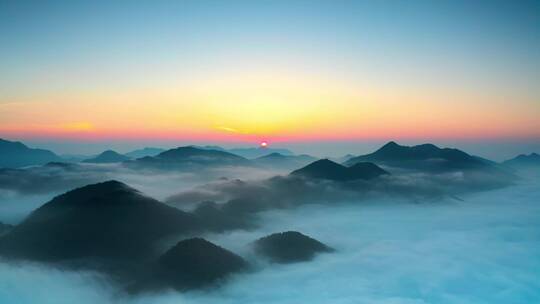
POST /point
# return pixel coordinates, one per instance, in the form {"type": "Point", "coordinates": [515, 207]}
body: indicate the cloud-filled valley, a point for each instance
{"type": "Point", "coordinates": [439, 227]}
{"type": "Point", "coordinates": [483, 249]}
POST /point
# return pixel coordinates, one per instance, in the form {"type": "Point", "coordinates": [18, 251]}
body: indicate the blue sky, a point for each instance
{"type": "Point", "coordinates": [495, 38]}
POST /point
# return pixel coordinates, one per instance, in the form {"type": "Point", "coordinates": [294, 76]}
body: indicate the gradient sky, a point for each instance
{"type": "Point", "coordinates": [289, 72]}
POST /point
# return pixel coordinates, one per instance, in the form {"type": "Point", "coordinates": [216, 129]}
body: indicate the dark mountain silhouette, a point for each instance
{"type": "Point", "coordinates": [14, 154]}
{"type": "Point", "coordinates": [190, 157]}
{"type": "Point", "coordinates": [210, 147]}
{"type": "Point", "coordinates": [250, 153]}
{"type": "Point", "coordinates": [195, 154]}
{"type": "Point", "coordinates": [422, 157]}
{"type": "Point", "coordinates": [280, 161]}
{"type": "Point", "coordinates": [258, 152]}
{"type": "Point", "coordinates": [289, 247]}
{"type": "Point", "coordinates": [147, 151]}
{"type": "Point", "coordinates": [107, 157]}
{"type": "Point", "coordinates": [108, 220]}
{"type": "Point", "coordinates": [193, 263]}
{"type": "Point", "coordinates": [327, 169]}
{"type": "Point", "coordinates": [524, 161]}
{"type": "Point", "coordinates": [222, 217]}
{"type": "Point", "coordinates": [5, 228]}
{"type": "Point", "coordinates": [366, 170]}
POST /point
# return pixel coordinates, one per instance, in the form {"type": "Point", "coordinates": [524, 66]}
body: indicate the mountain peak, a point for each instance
{"type": "Point", "coordinates": [197, 262]}
{"type": "Point", "coordinates": [189, 157]}
{"type": "Point", "coordinates": [107, 156]}
{"type": "Point", "coordinates": [390, 148]}
{"type": "Point", "coordinates": [390, 145]}
{"type": "Point", "coordinates": [13, 144]}
{"type": "Point", "coordinates": [324, 163]}
{"type": "Point", "coordinates": [107, 185]}
{"type": "Point", "coordinates": [425, 156]}
{"type": "Point", "coordinates": [289, 247]}
{"type": "Point", "coordinates": [108, 219]}
{"type": "Point", "coordinates": [273, 155]}
{"type": "Point", "coordinates": [256, 152]}
{"type": "Point", "coordinates": [188, 151]}
{"type": "Point", "coordinates": [327, 169]}
{"type": "Point", "coordinates": [16, 154]}
{"type": "Point", "coordinates": [524, 161]}
{"type": "Point", "coordinates": [111, 191]}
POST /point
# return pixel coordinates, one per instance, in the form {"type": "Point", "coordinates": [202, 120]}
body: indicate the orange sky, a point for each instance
{"type": "Point", "coordinates": [261, 109]}
{"type": "Point", "coordinates": [250, 71]}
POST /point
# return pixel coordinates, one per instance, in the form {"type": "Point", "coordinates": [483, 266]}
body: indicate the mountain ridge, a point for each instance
{"type": "Point", "coordinates": [107, 157]}
{"type": "Point", "coordinates": [289, 247]}
{"type": "Point", "coordinates": [108, 219]}
{"type": "Point", "coordinates": [15, 154]}
{"type": "Point", "coordinates": [327, 169]}
{"type": "Point", "coordinates": [524, 161]}
{"type": "Point", "coordinates": [190, 156]}
{"type": "Point", "coordinates": [421, 157]}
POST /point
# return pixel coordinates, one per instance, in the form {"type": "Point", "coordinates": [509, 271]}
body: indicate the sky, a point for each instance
{"type": "Point", "coordinates": [78, 76]}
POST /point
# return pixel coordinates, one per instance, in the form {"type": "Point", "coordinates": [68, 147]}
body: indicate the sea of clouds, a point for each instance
{"type": "Point", "coordinates": [22, 191]}
{"type": "Point", "coordinates": [484, 248]}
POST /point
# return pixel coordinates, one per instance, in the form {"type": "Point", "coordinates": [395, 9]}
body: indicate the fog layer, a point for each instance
{"type": "Point", "coordinates": [484, 249]}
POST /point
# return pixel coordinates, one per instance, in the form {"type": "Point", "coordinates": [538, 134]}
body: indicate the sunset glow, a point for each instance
{"type": "Point", "coordinates": [269, 151]}
{"type": "Point", "coordinates": [321, 81]}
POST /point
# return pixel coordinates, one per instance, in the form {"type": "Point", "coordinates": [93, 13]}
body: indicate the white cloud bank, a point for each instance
{"type": "Point", "coordinates": [485, 249]}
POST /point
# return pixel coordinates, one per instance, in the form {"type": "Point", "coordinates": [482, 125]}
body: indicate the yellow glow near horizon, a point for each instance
{"type": "Point", "coordinates": [251, 107]}
{"type": "Point", "coordinates": [278, 72]}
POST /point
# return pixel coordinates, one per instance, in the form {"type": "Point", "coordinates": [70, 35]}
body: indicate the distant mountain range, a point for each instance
{"type": "Point", "coordinates": [280, 161]}
{"type": "Point", "coordinates": [107, 157]}
{"type": "Point", "coordinates": [184, 157]}
{"type": "Point", "coordinates": [147, 151]}
{"type": "Point", "coordinates": [524, 161]}
{"type": "Point", "coordinates": [327, 169]}
{"type": "Point", "coordinates": [115, 228]}
{"type": "Point", "coordinates": [14, 154]}
{"type": "Point", "coordinates": [422, 157]}
{"type": "Point", "coordinates": [391, 156]}
{"type": "Point", "coordinates": [249, 153]}
{"type": "Point", "coordinates": [258, 152]}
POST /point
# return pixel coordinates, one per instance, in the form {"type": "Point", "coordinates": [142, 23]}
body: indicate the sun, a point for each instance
{"type": "Point", "coordinates": [264, 144]}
